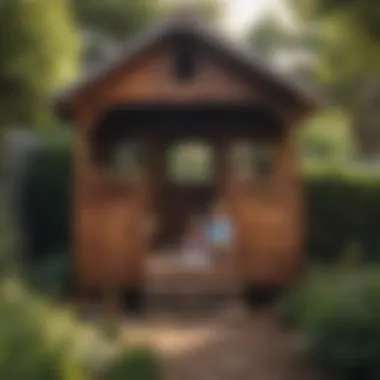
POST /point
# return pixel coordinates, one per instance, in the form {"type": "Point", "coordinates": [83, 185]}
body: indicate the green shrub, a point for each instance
{"type": "Point", "coordinates": [46, 200]}
{"type": "Point", "coordinates": [45, 212]}
{"type": "Point", "coordinates": [338, 313]}
{"type": "Point", "coordinates": [7, 257]}
{"type": "Point", "coordinates": [136, 364]}
{"type": "Point", "coordinates": [39, 341]}
{"type": "Point", "coordinates": [35, 342]}
{"type": "Point", "coordinates": [342, 209]}
{"type": "Point", "coordinates": [53, 275]}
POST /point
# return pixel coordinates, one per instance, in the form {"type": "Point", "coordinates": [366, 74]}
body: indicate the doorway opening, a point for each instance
{"type": "Point", "coordinates": [192, 253]}
{"type": "Point", "coordinates": [188, 193]}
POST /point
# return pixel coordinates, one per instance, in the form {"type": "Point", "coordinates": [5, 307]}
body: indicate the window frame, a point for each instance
{"type": "Point", "coordinates": [118, 167]}
{"type": "Point", "coordinates": [259, 160]}
{"type": "Point", "coordinates": [195, 180]}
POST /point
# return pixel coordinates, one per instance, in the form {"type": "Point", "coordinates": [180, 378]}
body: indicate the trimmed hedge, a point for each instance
{"type": "Point", "coordinates": [46, 201]}
{"type": "Point", "coordinates": [337, 313]}
{"type": "Point", "coordinates": [343, 209]}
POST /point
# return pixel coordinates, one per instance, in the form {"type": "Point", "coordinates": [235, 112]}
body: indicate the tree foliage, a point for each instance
{"type": "Point", "coordinates": [342, 40]}
{"type": "Point", "coordinates": [38, 49]}
{"type": "Point", "coordinates": [349, 63]}
{"type": "Point", "coordinates": [268, 36]}
{"type": "Point", "coordinates": [364, 13]}
{"type": "Point", "coordinates": [115, 18]}
{"type": "Point", "coordinates": [276, 42]}
{"type": "Point", "coordinates": [107, 24]}
{"type": "Point", "coordinates": [121, 18]}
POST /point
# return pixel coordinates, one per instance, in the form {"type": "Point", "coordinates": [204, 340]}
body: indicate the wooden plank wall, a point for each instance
{"type": "Point", "coordinates": [108, 242]}
{"type": "Point", "coordinates": [268, 220]}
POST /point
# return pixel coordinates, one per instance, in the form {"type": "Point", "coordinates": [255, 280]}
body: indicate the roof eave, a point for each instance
{"type": "Point", "coordinates": [305, 100]}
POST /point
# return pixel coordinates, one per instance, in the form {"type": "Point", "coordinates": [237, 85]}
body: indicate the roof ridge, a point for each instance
{"type": "Point", "coordinates": [197, 28]}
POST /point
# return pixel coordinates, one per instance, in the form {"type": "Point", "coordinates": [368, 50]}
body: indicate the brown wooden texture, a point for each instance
{"type": "Point", "coordinates": [151, 79]}
{"type": "Point", "coordinates": [268, 220]}
{"type": "Point", "coordinates": [109, 242]}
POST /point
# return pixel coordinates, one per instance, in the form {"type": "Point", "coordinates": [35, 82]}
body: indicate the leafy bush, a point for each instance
{"type": "Point", "coordinates": [41, 342]}
{"type": "Point", "coordinates": [137, 364]}
{"type": "Point", "coordinates": [46, 200]}
{"type": "Point", "coordinates": [45, 211]}
{"type": "Point", "coordinates": [342, 209]}
{"type": "Point", "coordinates": [338, 312]}
{"type": "Point", "coordinates": [35, 342]}
{"type": "Point", "coordinates": [7, 258]}
{"type": "Point", "coordinates": [53, 275]}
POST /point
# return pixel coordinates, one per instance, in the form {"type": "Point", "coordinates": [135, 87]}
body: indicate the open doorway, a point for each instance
{"type": "Point", "coordinates": [192, 251]}
{"type": "Point", "coordinates": [188, 191]}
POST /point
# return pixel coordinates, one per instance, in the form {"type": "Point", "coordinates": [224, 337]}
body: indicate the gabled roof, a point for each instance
{"type": "Point", "coordinates": [241, 60]}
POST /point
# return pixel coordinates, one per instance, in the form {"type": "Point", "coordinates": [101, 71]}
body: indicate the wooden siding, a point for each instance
{"type": "Point", "coordinates": [268, 221]}
{"type": "Point", "coordinates": [108, 241]}
{"type": "Point", "coordinates": [151, 79]}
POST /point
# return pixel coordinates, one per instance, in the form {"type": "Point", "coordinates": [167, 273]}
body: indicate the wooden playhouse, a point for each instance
{"type": "Point", "coordinates": [179, 92]}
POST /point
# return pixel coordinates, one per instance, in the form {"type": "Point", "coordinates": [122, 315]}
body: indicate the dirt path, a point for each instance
{"type": "Point", "coordinates": [232, 344]}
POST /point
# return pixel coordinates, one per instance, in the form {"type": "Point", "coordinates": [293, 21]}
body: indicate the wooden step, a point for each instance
{"type": "Point", "coordinates": [192, 304]}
